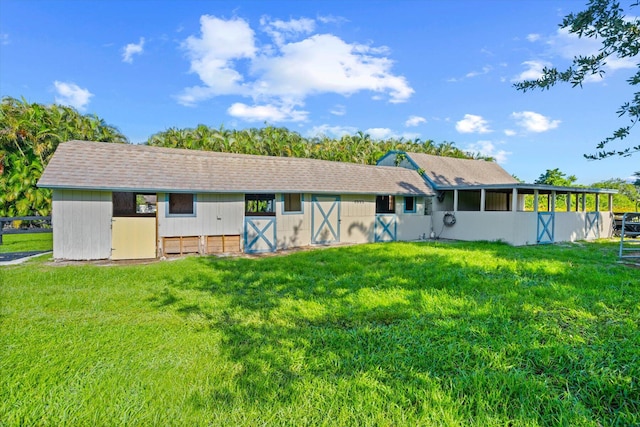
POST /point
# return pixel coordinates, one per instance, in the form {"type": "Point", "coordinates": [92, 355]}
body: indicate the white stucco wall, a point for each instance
{"type": "Point", "coordinates": [572, 226]}
{"type": "Point", "coordinates": [412, 225]}
{"type": "Point", "coordinates": [519, 228]}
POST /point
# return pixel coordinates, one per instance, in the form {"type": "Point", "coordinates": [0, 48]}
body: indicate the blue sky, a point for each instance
{"type": "Point", "coordinates": [440, 70]}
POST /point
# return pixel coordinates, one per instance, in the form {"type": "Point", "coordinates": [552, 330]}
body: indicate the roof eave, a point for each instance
{"type": "Point", "coordinates": [529, 187]}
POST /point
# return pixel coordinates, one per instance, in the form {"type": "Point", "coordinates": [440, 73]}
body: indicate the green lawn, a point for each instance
{"type": "Point", "coordinates": [400, 334]}
{"type": "Point", "coordinates": [26, 242]}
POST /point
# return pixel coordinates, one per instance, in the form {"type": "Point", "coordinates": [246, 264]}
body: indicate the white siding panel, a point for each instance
{"type": "Point", "coordinates": [357, 218]}
{"type": "Point", "coordinates": [57, 217]}
{"type": "Point", "coordinates": [294, 230]}
{"type": "Point", "coordinates": [215, 214]}
{"type": "Point", "coordinates": [230, 214]}
{"type": "Point", "coordinates": [81, 224]}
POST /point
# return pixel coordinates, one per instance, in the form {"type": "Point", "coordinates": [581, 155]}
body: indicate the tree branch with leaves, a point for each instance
{"type": "Point", "coordinates": [619, 35]}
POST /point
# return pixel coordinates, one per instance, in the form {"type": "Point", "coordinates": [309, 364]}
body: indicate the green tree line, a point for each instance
{"type": "Point", "coordinates": [626, 200]}
{"type": "Point", "coordinates": [30, 133]}
{"type": "Point", "coordinates": [282, 142]}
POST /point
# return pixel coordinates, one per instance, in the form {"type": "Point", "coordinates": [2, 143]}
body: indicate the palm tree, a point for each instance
{"type": "Point", "coordinates": [29, 135]}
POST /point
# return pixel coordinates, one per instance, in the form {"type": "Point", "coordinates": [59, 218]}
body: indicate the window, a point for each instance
{"type": "Point", "coordinates": [292, 202]}
{"type": "Point", "coordinates": [181, 204]}
{"type": "Point", "coordinates": [409, 204]}
{"type": "Point", "coordinates": [260, 204]}
{"type": "Point", "coordinates": [133, 204]}
{"type": "Point", "coordinates": [385, 204]}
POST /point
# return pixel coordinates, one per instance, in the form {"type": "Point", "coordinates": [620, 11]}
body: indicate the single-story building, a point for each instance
{"type": "Point", "coordinates": [121, 201]}
{"type": "Point", "coordinates": [479, 200]}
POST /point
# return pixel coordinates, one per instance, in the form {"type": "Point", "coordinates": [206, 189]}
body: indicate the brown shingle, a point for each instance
{"type": "Point", "coordinates": [107, 166]}
{"type": "Point", "coordinates": [451, 172]}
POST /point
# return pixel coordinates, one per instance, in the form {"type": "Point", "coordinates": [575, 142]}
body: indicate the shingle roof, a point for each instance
{"type": "Point", "coordinates": [453, 172]}
{"type": "Point", "coordinates": [125, 167]}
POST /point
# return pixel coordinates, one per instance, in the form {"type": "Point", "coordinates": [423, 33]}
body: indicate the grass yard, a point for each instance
{"type": "Point", "coordinates": [399, 334]}
{"type": "Point", "coordinates": [26, 242]}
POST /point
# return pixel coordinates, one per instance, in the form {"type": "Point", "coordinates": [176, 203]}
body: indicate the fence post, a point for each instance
{"type": "Point", "coordinates": [1, 228]}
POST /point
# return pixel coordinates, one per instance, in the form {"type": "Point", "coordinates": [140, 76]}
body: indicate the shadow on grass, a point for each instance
{"type": "Point", "coordinates": [505, 333]}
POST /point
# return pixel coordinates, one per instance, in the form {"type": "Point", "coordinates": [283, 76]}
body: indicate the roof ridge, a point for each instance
{"type": "Point", "coordinates": [211, 153]}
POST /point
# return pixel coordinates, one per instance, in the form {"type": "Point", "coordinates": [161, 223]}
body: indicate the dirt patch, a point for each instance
{"type": "Point", "coordinates": [110, 263]}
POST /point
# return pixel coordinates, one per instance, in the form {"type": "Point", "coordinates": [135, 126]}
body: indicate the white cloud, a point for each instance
{"type": "Point", "coordinates": [485, 70]}
{"type": "Point", "coordinates": [280, 31]}
{"type": "Point", "coordinates": [72, 94]}
{"type": "Point", "coordinates": [268, 113]}
{"type": "Point", "coordinates": [414, 121]}
{"type": "Point", "coordinates": [566, 46]}
{"type": "Point", "coordinates": [471, 74]}
{"type": "Point", "coordinates": [190, 96]}
{"type": "Point", "coordinates": [410, 136]}
{"type": "Point", "coordinates": [213, 55]}
{"type": "Point", "coordinates": [229, 61]}
{"type": "Point", "coordinates": [472, 124]}
{"type": "Point", "coordinates": [338, 110]}
{"type": "Point", "coordinates": [132, 49]}
{"type": "Point", "coordinates": [330, 19]}
{"type": "Point", "coordinates": [533, 37]}
{"type": "Point", "coordinates": [331, 131]}
{"type": "Point", "coordinates": [4, 39]}
{"type": "Point", "coordinates": [380, 133]}
{"type": "Point", "coordinates": [487, 148]}
{"type": "Point", "coordinates": [324, 63]}
{"type": "Point", "coordinates": [510, 132]}
{"type": "Point", "coordinates": [533, 71]}
{"type": "Point", "coordinates": [534, 122]}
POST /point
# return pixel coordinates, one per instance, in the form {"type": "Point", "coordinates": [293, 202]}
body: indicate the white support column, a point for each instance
{"type": "Point", "coordinates": [514, 200]}
{"type": "Point", "coordinates": [584, 202]}
{"type": "Point", "coordinates": [536, 196]}
{"type": "Point", "coordinates": [552, 205]}
{"type": "Point", "coordinates": [610, 202]}
{"type": "Point", "coordinates": [568, 202]}
{"type": "Point", "coordinates": [483, 198]}
{"type": "Point", "coordinates": [455, 200]}
{"type": "Point", "coordinates": [597, 202]}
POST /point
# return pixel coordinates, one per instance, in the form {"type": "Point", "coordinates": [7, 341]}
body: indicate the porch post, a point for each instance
{"type": "Point", "coordinates": [455, 200]}
{"type": "Point", "coordinates": [569, 202]}
{"type": "Point", "coordinates": [610, 202]}
{"type": "Point", "coordinates": [584, 202]}
{"type": "Point", "coordinates": [514, 200]}
{"type": "Point", "coordinates": [597, 202]}
{"type": "Point", "coordinates": [483, 198]}
{"type": "Point", "coordinates": [536, 195]}
{"type": "Point", "coordinates": [552, 206]}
